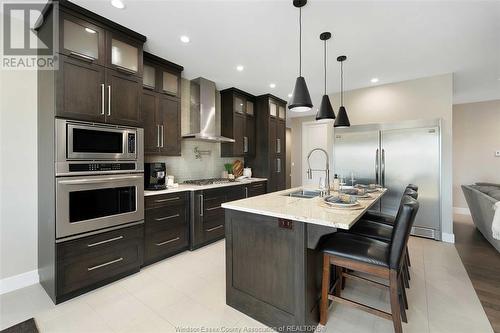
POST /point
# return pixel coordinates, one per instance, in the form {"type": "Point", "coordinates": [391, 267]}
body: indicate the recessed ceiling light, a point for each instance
{"type": "Point", "coordinates": [90, 31]}
{"type": "Point", "coordinates": [117, 4]}
{"type": "Point", "coordinates": [272, 85]}
{"type": "Point", "coordinates": [239, 68]}
{"type": "Point", "coordinates": [290, 95]}
{"type": "Point", "coordinates": [374, 80]}
{"type": "Point", "coordinates": [184, 39]}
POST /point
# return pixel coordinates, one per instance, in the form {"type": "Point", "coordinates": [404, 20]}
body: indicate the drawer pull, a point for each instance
{"type": "Point", "coordinates": [258, 185]}
{"type": "Point", "coordinates": [165, 200]}
{"type": "Point", "coordinates": [105, 241]}
{"type": "Point", "coordinates": [105, 264]}
{"type": "Point", "coordinates": [215, 228]}
{"type": "Point", "coordinates": [214, 208]}
{"type": "Point", "coordinates": [168, 241]}
{"type": "Point", "coordinates": [166, 217]}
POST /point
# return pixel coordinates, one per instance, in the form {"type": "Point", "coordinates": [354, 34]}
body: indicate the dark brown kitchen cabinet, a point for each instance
{"type": "Point", "coordinates": [161, 106]}
{"type": "Point", "coordinates": [238, 123]}
{"type": "Point", "coordinates": [166, 229]}
{"type": "Point", "coordinates": [207, 220]}
{"type": "Point", "coordinates": [100, 68]}
{"type": "Point", "coordinates": [269, 160]}
{"type": "Point", "coordinates": [81, 90]}
{"type": "Point", "coordinates": [90, 262]}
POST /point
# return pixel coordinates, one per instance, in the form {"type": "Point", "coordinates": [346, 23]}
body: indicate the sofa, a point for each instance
{"type": "Point", "coordinates": [481, 198]}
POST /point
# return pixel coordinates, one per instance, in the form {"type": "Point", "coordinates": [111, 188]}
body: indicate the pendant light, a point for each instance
{"type": "Point", "coordinates": [342, 118]}
{"type": "Point", "coordinates": [301, 100]}
{"type": "Point", "coordinates": [325, 108]}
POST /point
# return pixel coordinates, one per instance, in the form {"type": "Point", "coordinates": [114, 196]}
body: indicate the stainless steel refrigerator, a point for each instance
{"type": "Point", "coordinates": [394, 155]}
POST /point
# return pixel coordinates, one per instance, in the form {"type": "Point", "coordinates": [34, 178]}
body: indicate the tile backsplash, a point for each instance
{"type": "Point", "coordinates": [187, 166]}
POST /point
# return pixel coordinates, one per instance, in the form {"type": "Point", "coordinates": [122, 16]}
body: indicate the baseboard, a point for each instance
{"type": "Point", "coordinates": [461, 211]}
{"type": "Point", "coordinates": [18, 281]}
{"type": "Point", "coordinates": [448, 238]}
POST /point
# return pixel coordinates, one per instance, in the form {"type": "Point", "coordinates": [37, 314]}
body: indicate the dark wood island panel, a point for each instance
{"type": "Point", "coordinates": [271, 274]}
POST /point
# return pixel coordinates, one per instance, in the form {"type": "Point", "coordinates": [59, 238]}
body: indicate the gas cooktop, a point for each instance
{"type": "Point", "coordinates": [209, 181]}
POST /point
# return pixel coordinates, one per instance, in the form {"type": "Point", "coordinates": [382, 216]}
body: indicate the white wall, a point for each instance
{"type": "Point", "coordinates": [18, 172]}
{"type": "Point", "coordinates": [476, 137]}
{"type": "Point", "coordinates": [426, 98]}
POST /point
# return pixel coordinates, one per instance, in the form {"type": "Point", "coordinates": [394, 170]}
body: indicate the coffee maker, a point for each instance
{"type": "Point", "coordinates": [155, 175]}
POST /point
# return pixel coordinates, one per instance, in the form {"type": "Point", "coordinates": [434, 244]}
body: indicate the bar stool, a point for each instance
{"type": "Point", "coordinates": [386, 218]}
{"type": "Point", "coordinates": [367, 255]}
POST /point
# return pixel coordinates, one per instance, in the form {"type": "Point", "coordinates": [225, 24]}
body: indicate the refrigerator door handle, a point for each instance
{"type": "Point", "coordinates": [376, 166]}
{"type": "Point", "coordinates": [383, 167]}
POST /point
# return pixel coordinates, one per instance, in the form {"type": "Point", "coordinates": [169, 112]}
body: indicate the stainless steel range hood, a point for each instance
{"type": "Point", "coordinates": [202, 121]}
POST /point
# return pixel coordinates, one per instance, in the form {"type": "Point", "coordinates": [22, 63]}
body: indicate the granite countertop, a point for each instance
{"type": "Point", "coordinates": [308, 210]}
{"type": "Point", "coordinates": [189, 187]}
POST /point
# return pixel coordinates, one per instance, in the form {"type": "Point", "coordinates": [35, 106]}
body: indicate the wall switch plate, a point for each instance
{"type": "Point", "coordinates": [497, 153]}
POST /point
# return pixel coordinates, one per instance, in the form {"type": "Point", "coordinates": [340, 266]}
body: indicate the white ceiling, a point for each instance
{"type": "Point", "coordinates": [393, 41]}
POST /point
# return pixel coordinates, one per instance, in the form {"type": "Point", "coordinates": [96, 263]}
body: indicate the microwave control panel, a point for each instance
{"type": "Point", "coordinates": [94, 167]}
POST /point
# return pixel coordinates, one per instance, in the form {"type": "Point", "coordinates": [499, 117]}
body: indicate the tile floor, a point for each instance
{"type": "Point", "coordinates": [188, 291]}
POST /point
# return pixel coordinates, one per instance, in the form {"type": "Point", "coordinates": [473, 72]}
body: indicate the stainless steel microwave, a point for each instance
{"type": "Point", "coordinates": [79, 143]}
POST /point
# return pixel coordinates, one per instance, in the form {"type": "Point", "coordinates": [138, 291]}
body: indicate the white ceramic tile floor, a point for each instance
{"type": "Point", "coordinates": [188, 290]}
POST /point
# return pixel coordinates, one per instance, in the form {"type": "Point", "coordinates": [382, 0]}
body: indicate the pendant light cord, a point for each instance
{"type": "Point", "coordinates": [300, 41]}
{"type": "Point", "coordinates": [325, 66]}
{"type": "Point", "coordinates": [341, 83]}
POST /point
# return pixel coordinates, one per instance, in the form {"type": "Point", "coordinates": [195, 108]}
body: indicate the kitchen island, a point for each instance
{"type": "Point", "coordinates": [273, 272]}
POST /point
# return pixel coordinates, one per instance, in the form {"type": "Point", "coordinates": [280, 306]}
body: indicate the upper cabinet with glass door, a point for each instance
{"type": "Point", "coordinates": [161, 75]}
{"type": "Point", "coordinates": [82, 40]}
{"type": "Point", "coordinates": [125, 54]}
{"type": "Point", "coordinates": [281, 112]}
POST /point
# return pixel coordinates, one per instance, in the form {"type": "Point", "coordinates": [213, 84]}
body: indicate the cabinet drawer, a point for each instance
{"type": "Point", "coordinates": [212, 206]}
{"type": "Point", "coordinates": [158, 219]}
{"type": "Point", "coordinates": [97, 243]}
{"type": "Point", "coordinates": [171, 239]}
{"type": "Point", "coordinates": [160, 200]}
{"type": "Point", "coordinates": [213, 228]}
{"type": "Point", "coordinates": [81, 267]}
{"type": "Point", "coordinates": [255, 189]}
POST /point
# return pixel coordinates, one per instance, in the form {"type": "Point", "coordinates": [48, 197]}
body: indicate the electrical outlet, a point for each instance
{"type": "Point", "coordinates": [497, 153]}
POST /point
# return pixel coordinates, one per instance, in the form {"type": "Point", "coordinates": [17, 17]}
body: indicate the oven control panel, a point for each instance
{"type": "Point", "coordinates": [93, 167]}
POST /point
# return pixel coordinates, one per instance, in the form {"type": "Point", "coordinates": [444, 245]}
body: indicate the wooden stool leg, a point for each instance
{"type": "Point", "coordinates": [402, 301]}
{"type": "Point", "coordinates": [395, 307]}
{"type": "Point", "coordinates": [325, 286]}
{"type": "Point", "coordinates": [338, 277]}
{"type": "Point", "coordinates": [403, 291]}
{"type": "Point", "coordinates": [343, 279]}
{"type": "Point", "coordinates": [405, 277]}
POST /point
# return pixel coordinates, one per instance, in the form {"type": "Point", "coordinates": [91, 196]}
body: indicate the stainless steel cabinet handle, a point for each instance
{"type": "Point", "coordinates": [162, 136]}
{"type": "Point", "coordinates": [213, 208]}
{"type": "Point", "coordinates": [246, 192]}
{"type": "Point", "coordinates": [383, 167]}
{"type": "Point", "coordinates": [278, 146]}
{"type": "Point", "coordinates": [278, 165]}
{"type": "Point", "coordinates": [200, 197]}
{"type": "Point", "coordinates": [245, 144]}
{"type": "Point", "coordinates": [103, 102]}
{"type": "Point", "coordinates": [376, 166]}
{"type": "Point", "coordinates": [158, 136]}
{"type": "Point", "coordinates": [105, 264]}
{"type": "Point", "coordinates": [109, 100]}
{"type": "Point", "coordinates": [82, 56]}
{"type": "Point", "coordinates": [258, 185]}
{"type": "Point", "coordinates": [166, 217]}
{"type": "Point", "coordinates": [168, 241]}
{"type": "Point", "coordinates": [215, 228]}
{"type": "Point", "coordinates": [105, 241]}
{"type": "Point", "coordinates": [167, 199]}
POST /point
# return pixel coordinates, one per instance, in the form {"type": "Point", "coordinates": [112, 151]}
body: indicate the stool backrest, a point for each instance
{"type": "Point", "coordinates": [413, 187]}
{"type": "Point", "coordinates": [401, 231]}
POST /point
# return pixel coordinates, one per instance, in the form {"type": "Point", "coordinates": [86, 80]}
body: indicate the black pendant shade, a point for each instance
{"type": "Point", "coordinates": [301, 100]}
{"type": "Point", "coordinates": [325, 108]}
{"type": "Point", "coordinates": [342, 119]}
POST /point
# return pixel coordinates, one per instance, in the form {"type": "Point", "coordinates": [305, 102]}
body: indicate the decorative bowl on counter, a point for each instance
{"type": "Point", "coordinates": [341, 200]}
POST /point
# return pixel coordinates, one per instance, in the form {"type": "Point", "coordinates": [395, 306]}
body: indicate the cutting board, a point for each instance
{"type": "Point", "coordinates": [238, 168]}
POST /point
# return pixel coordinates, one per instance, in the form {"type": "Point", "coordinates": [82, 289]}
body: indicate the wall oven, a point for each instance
{"type": "Point", "coordinates": [90, 203]}
{"type": "Point", "coordinates": [83, 147]}
{"type": "Point", "coordinates": [99, 177]}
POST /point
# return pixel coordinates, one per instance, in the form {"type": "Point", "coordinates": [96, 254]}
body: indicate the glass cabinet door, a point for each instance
{"type": "Point", "coordinates": [281, 113]}
{"type": "Point", "coordinates": [124, 56]}
{"type": "Point", "coordinates": [81, 40]}
{"type": "Point", "coordinates": [273, 109]}
{"type": "Point", "coordinates": [250, 108]}
{"type": "Point", "coordinates": [170, 83]}
{"type": "Point", "coordinates": [239, 105]}
{"type": "Point", "coordinates": [149, 77]}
